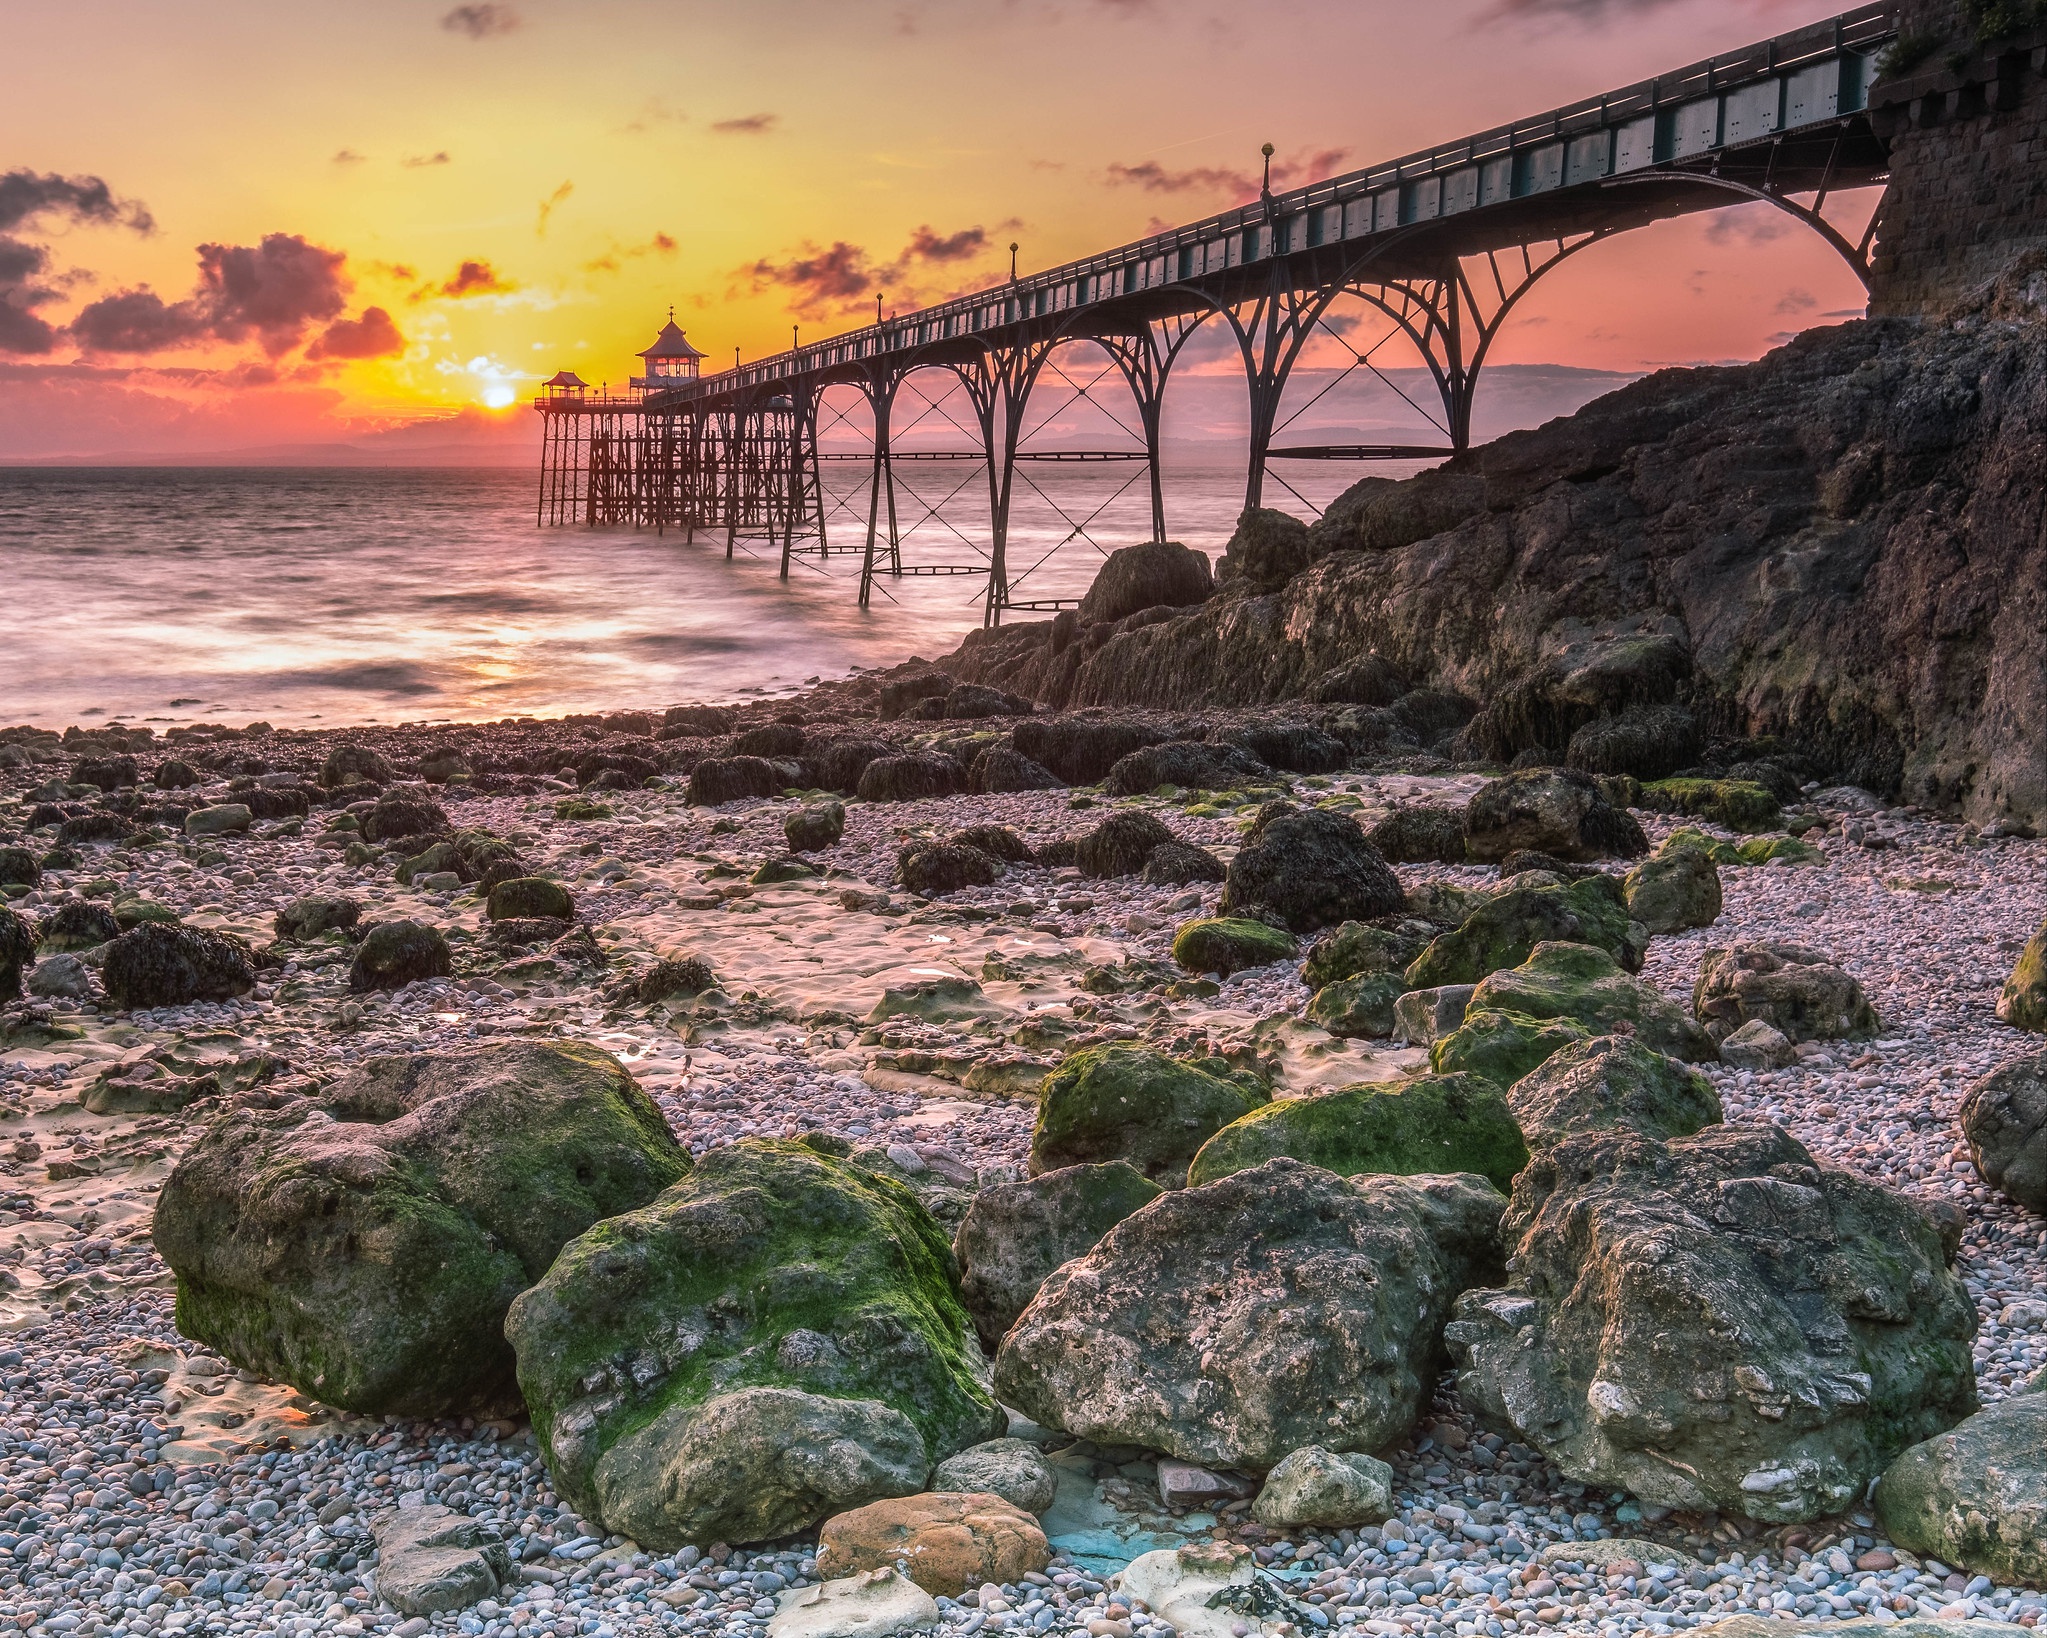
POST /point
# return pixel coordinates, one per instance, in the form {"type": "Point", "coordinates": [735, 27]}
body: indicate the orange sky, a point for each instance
{"type": "Point", "coordinates": [313, 222]}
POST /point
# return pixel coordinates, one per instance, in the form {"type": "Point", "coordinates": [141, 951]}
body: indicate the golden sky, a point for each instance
{"type": "Point", "coordinates": [237, 223]}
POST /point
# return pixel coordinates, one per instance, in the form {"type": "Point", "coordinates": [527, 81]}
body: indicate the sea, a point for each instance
{"type": "Point", "coordinates": [334, 596]}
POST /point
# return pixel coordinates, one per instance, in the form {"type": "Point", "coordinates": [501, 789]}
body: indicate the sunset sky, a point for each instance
{"type": "Point", "coordinates": [245, 224]}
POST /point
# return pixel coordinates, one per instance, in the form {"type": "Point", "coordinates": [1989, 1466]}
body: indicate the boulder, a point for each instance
{"type": "Point", "coordinates": [346, 763]}
{"type": "Point", "coordinates": [1423, 1017]}
{"type": "Point", "coordinates": [772, 740]}
{"type": "Point", "coordinates": [946, 1541]}
{"type": "Point", "coordinates": [1192, 764]}
{"type": "Point", "coordinates": [1528, 911]}
{"type": "Point", "coordinates": [1977, 1495]}
{"type": "Point", "coordinates": [1501, 1046]}
{"type": "Point", "coordinates": [1611, 1083]}
{"type": "Point", "coordinates": [1796, 990]}
{"type": "Point", "coordinates": [175, 775]}
{"type": "Point", "coordinates": [1643, 741]}
{"type": "Point", "coordinates": [1267, 549]}
{"type": "Point", "coordinates": [899, 694]}
{"type": "Point", "coordinates": [1326, 1489]}
{"type": "Point", "coordinates": [1420, 835]}
{"type": "Point", "coordinates": [1153, 574]}
{"type": "Point", "coordinates": [1585, 984]}
{"type": "Point", "coordinates": [1013, 1469]}
{"type": "Point", "coordinates": [95, 827]}
{"type": "Point", "coordinates": [1431, 1124]}
{"type": "Point", "coordinates": [159, 965]}
{"type": "Point", "coordinates": [1357, 948]}
{"type": "Point", "coordinates": [393, 954]}
{"type": "Point", "coordinates": [1717, 1322]}
{"type": "Point", "coordinates": [877, 1604]}
{"type": "Point", "coordinates": [718, 780]}
{"type": "Point", "coordinates": [775, 1339]}
{"type": "Point", "coordinates": [970, 702]}
{"type": "Point", "coordinates": [997, 841]}
{"type": "Point", "coordinates": [1081, 750]}
{"type": "Point", "coordinates": [1121, 844]}
{"type": "Point", "coordinates": [222, 819]}
{"type": "Point", "coordinates": [934, 868]}
{"type": "Point", "coordinates": [1359, 1008]}
{"type": "Point", "coordinates": [814, 828]}
{"type": "Point", "coordinates": [524, 897]}
{"type": "Point", "coordinates": [431, 1561]}
{"type": "Point", "coordinates": [839, 765]}
{"type": "Point", "coordinates": [698, 721]}
{"type": "Point", "coordinates": [18, 868]}
{"type": "Point", "coordinates": [1313, 870]}
{"type": "Point", "coordinates": [1230, 1324]}
{"type": "Point", "coordinates": [1213, 1590]}
{"type": "Point", "coordinates": [365, 1245]}
{"type": "Point", "coordinates": [17, 950]}
{"type": "Point", "coordinates": [1175, 864]}
{"type": "Point", "coordinates": [1016, 1234]}
{"type": "Point", "coordinates": [77, 924]}
{"type": "Point", "coordinates": [1552, 810]}
{"type": "Point", "coordinates": [785, 867]}
{"type": "Point", "coordinates": [1230, 944]}
{"type": "Point", "coordinates": [60, 978]}
{"type": "Point", "coordinates": [1000, 768]}
{"type": "Point", "coordinates": [442, 858]}
{"type": "Point", "coordinates": [2004, 1117]}
{"type": "Point", "coordinates": [1127, 1102]}
{"type": "Point", "coordinates": [396, 816]}
{"type": "Point", "coordinates": [1756, 1045]}
{"type": "Point", "coordinates": [1678, 888]}
{"type": "Point", "coordinates": [1294, 746]}
{"type": "Point", "coordinates": [915, 777]}
{"type": "Point", "coordinates": [1738, 804]}
{"type": "Point", "coordinates": [2022, 1003]}
{"type": "Point", "coordinates": [315, 913]}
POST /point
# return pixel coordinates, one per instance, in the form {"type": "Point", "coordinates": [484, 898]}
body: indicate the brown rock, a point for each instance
{"type": "Point", "coordinates": [949, 1540]}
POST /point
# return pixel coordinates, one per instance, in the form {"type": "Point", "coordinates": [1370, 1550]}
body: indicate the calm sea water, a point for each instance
{"type": "Point", "coordinates": [304, 597]}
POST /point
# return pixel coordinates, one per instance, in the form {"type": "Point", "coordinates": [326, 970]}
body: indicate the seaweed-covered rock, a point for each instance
{"type": "Point", "coordinates": [1081, 750]}
{"type": "Point", "coordinates": [1231, 1324]}
{"type": "Point", "coordinates": [814, 828]}
{"type": "Point", "coordinates": [997, 841]}
{"type": "Point", "coordinates": [1612, 1082]}
{"type": "Point", "coordinates": [1431, 1124]}
{"type": "Point", "coordinates": [1296, 747]}
{"type": "Point", "coordinates": [1313, 870]}
{"type": "Point", "coordinates": [2004, 1117]}
{"type": "Point", "coordinates": [1359, 1008]}
{"type": "Point", "coordinates": [672, 976]}
{"type": "Point", "coordinates": [1420, 835]}
{"type": "Point", "coordinates": [17, 950]}
{"type": "Point", "coordinates": [837, 766]}
{"type": "Point", "coordinates": [1644, 741]}
{"type": "Point", "coordinates": [1678, 888]}
{"type": "Point", "coordinates": [1357, 947]}
{"type": "Point", "coordinates": [1585, 984]}
{"type": "Point", "coordinates": [1736, 803]}
{"type": "Point", "coordinates": [175, 774]}
{"type": "Point", "coordinates": [526, 896]}
{"type": "Point", "coordinates": [1502, 1046]}
{"type": "Point", "coordinates": [1267, 549]}
{"type": "Point", "coordinates": [935, 868]}
{"type": "Point", "coordinates": [1230, 944]}
{"type": "Point", "coordinates": [1976, 1495]}
{"type": "Point", "coordinates": [971, 702]}
{"type": "Point", "coordinates": [1175, 864]}
{"type": "Point", "coordinates": [315, 913]}
{"type": "Point", "coordinates": [771, 740]}
{"type": "Point", "coordinates": [1503, 929]}
{"type": "Point", "coordinates": [348, 763]}
{"type": "Point", "coordinates": [1000, 768]}
{"type": "Point", "coordinates": [160, 965]}
{"type": "Point", "coordinates": [365, 1246]}
{"type": "Point", "coordinates": [1015, 1234]}
{"type": "Point", "coordinates": [1192, 764]}
{"type": "Point", "coordinates": [1423, 1017]}
{"type": "Point", "coordinates": [393, 954]}
{"type": "Point", "coordinates": [1149, 575]}
{"type": "Point", "coordinates": [914, 777]}
{"type": "Point", "coordinates": [1717, 1322]}
{"type": "Point", "coordinates": [77, 924]}
{"type": "Point", "coordinates": [697, 721]}
{"type": "Point", "coordinates": [899, 694]}
{"type": "Point", "coordinates": [1127, 1102]}
{"type": "Point", "coordinates": [1796, 990]}
{"type": "Point", "coordinates": [2022, 1003]}
{"type": "Point", "coordinates": [720, 779]}
{"type": "Point", "coordinates": [1552, 810]}
{"type": "Point", "coordinates": [776, 1338]}
{"type": "Point", "coordinates": [1121, 844]}
{"type": "Point", "coordinates": [18, 868]}
{"type": "Point", "coordinates": [396, 816]}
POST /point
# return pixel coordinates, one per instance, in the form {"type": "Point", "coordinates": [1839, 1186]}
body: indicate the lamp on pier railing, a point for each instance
{"type": "Point", "coordinates": [1012, 261]}
{"type": "Point", "coordinates": [1265, 187]}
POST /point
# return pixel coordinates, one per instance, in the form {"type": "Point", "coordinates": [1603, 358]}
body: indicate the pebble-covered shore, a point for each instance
{"type": "Point", "coordinates": [148, 1487]}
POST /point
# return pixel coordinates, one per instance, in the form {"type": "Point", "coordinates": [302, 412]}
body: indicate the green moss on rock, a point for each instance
{"type": "Point", "coordinates": [525, 897]}
{"type": "Point", "coordinates": [1612, 1083]}
{"type": "Point", "coordinates": [1354, 948]}
{"type": "Point", "coordinates": [1432, 1124]}
{"type": "Point", "coordinates": [1736, 803]}
{"type": "Point", "coordinates": [1584, 984]}
{"type": "Point", "coordinates": [1230, 944]}
{"type": "Point", "coordinates": [2023, 1001]}
{"type": "Point", "coordinates": [1126, 1102]}
{"type": "Point", "coordinates": [1502, 1046]}
{"type": "Point", "coordinates": [1678, 888]}
{"type": "Point", "coordinates": [1501, 932]}
{"type": "Point", "coordinates": [1358, 1008]}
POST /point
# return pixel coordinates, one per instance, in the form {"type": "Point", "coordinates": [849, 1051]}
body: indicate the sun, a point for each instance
{"type": "Point", "coordinates": [498, 396]}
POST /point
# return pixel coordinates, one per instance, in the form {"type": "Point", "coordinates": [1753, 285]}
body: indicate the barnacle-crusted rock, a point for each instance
{"type": "Point", "coordinates": [1797, 991]}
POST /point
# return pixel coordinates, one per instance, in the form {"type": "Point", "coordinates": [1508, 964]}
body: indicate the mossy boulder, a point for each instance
{"type": "Point", "coordinates": [1433, 1123]}
{"type": "Point", "coordinates": [2022, 1003]}
{"type": "Point", "coordinates": [1311, 870]}
{"type": "Point", "coordinates": [366, 1245]}
{"type": "Point", "coordinates": [1502, 1046]}
{"type": "Point", "coordinates": [17, 950]}
{"type": "Point", "coordinates": [157, 965]}
{"type": "Point", "coordinates": [1355, 948]}
{"type": "Point", "coordinates": [1677, 888]}
{"type": "Point", "coordinates": [1558, 811]}
{"type": "Point", "coordinates": [1736, 803]}
{"type": "Point", "coordinates": [1358, 1008]}
{"type": "Point", "coordinates": [525, 897]}
{"type": "Point", "coordinates": [783, 868]}
{"type": "Point", "coordinates": [1230, 944]}
{"type": "Point", "coordinates": [77, 924]}
{"type": "Point", "coordinates": [1126, 1102]}
{"type": "Point", "coordinates": [775, 1339]}
{"type": "Point", "coordinates": [1583, 983]}
{"type": "Point", "coordinates": [813, 829]}
{"type": "Point", "coordinates": [441, 857]}
{"type": "Point", "coordinates": [135, 911]}
{"type": "Point", "coordinates": [1612, 1083]}
{"type": "Point", "coordinates": [1501, 931]}
{"type": "Point", "coordinates": [1977, 1495]}
{"type": "Point", "coordinates": [393, 954]}
{"type": "Point", "coordinates": [308, 917]}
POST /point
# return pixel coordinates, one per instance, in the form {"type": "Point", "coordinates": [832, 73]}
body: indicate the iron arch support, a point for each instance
{"type": "Point", "coordinates": [1855, 255]}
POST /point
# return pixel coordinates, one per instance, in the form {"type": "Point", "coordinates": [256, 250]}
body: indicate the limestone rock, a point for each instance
{"type": "Point", "coordinates": [1431, 1124]}
{"type": "Point", "coordinates": [2004, 1117]}
{"type": "Point", "coordinates": [61, 978]}
{"type": "Point", "coordinates": [948, 1540]}
{"type": "Point", "coordinates": [1134, 578]}
{"type": "Point", "coordinates": [1326, 1488]}
{"type": "Point", "coordinates": [1796, 990]}
{"type": "Point", "coordinates": [364, 1246]}
{"type": "Point", "coordinates": [157, 965]}
{"type": "Point", "coordinates": [1583, 983]}
{"type": "Point", "coordinates": [877, 1604]}
{"type": "Point", "coordinates": [1313, 869]}
{"type": "Point", "coordinates": [1757, 1045]}
{"type": "Point", "coordinates": [393, 954]}
{"type": "Point", "coordinates": [1977, 1495]}
{"type": "Point", "coordinates": [1717, 1322]}
{"type": "Point", "coordinates": [776, 1338]}
{"type": "Point", "coordinates": [1013, 1469]}
{"type": "Point", "coordinates": [1550, 810]}
{"type": "Point", "coordinates": [1127, 1102]}
{"type": "Point", "coordinates": [1230, 1324]}
{"type": "Point", "coordinates": [431, 1561]}
{"type": "Point", "coordinates": [1529, 911]}
{"type": "Point", "coordinates": [1612, 1083]}
{"type": "Point", "coordinates": [2022, 1003]}
{"type": "Point", "coordinates": [1674, 890]}
{"type": "Point", "coordinates": [1015, 1234]}
{"type": "Point", "coordinates": [1230, 944]}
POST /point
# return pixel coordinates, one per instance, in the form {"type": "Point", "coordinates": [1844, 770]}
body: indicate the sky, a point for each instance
{"type": "Point", "coordinates": [263, 224]}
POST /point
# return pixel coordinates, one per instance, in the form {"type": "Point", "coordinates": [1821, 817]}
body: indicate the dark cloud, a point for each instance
{"type": "Point", "coordinates": [26, 277]}
{"type": "Point", "coordinates": [612, 260]}
{"type": "Point", "coordinates": [373, 335]}
{"type": "Point", "coordinates": [273, 292]}
{"type": "Point", "coordinates": [1236, 185]}
{"type": "Point", "coordinates": [846, 275]}
{"type": "Point", "coordinates": [347, 156]}
{"type": "Point", "coordinates": [471, 278]}
{"type": "Point", "coordinates": [559, 196]}
{"type": "Point", "coordinates": [926, 246]}
{"type": "Point", "coordinates": [747, 125]}
{"type": "Point", "coordinates": [480, 22]}
{"type": "Point", "coordinates": [421, 162]}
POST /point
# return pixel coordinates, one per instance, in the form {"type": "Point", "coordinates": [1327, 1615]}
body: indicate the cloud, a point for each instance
{"type": "Point", "coordinates": [1796, 300]}
{"type": "Point", "coordinates": [655, 111]}
{"type": "Point", "coordinates": [610, 262]}
{"type": "Point", "coordinates": [27, 279]}
{"type": "Point", "coordinates": [844, 277]}
{"type": "Point", "coordinates": [274, 291]}
{"type": "Point", "coordinates": [420, 162]}
{"type": "Point", "coordinates": [547, 205]}
{"type": "Point", "coordinates": [480, 22]}
{"type": "Point", "coordinates": [747, 125]}
{"type": "Point", "coordinates": [1752, 224]}
{"type": "Point", "coordinates": [472, 278]}
{"type": "Point", "coordinates": [373, 335]}
{"type": "Point", "coordinates": [1583, 13]}
{"type": "Point", "coordinates": [347, 156]}
{"type": "Point", "coordinates": [926, 246]}
{"type": "Point", "coordinates": [1239, 185]}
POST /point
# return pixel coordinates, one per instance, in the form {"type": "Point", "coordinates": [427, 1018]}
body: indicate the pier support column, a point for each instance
{"type": "Point", "coordinates": [881, 395]}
